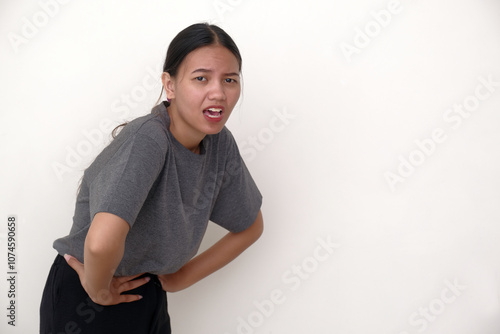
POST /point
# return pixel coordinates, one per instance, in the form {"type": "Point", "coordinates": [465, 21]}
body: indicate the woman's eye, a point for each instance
{"type": "Point", "coordinates": [229, 80]}
{"type": "Point", "coordinates": [200, 78]}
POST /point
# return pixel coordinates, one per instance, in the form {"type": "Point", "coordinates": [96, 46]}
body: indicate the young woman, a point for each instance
{"type": "Point", "coordinates": [144, 203]}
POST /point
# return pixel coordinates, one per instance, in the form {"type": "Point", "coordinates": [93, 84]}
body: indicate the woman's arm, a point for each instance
{"type": "Point", "coordinates": [104, 248]}
{"type": "Point", "coordinates": [103, 251]}
{"type": "Point", "coordinates": [214, 258]}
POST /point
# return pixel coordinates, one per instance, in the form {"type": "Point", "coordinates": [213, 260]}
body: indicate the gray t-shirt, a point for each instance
{"type": "Point", "coordinates": [165, 192]}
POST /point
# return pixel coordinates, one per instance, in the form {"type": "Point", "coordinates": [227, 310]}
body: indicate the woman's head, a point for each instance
{"type": "Point", "coordinates": [201, 77]}
{"type": "Point", "coordinates": [194, 37]}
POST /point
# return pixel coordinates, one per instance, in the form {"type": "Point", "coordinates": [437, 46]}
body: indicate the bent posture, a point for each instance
{"type": "Point", "coordinates": [145, 202]}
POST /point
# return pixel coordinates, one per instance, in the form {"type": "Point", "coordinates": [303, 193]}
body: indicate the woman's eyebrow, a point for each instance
{"type": "Point", "coordinates": [204, 70]}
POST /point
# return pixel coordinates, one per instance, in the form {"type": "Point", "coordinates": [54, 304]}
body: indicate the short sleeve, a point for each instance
{"type": "Point", "coordinates": [239, 200]}
{"type": "Point", "coordinates": [124, 181]}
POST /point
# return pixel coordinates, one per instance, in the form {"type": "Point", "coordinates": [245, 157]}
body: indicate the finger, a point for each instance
{"type": "Point", "coordinates": [74, 263]}
{"type": "Point", "coordinates": [131, 285]}
{"type": "Point", "coordinates": [129, 298]}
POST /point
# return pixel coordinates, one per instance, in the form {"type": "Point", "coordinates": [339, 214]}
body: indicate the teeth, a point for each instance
{"type": "Point", "coordinates": [213, 112]}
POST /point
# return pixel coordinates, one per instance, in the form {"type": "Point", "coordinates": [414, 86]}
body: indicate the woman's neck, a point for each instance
{"type": "Point", "coordinates": [189, 138]}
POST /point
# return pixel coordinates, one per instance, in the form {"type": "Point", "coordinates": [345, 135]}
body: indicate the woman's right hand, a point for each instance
{"type": "Point", "coordinates": [118, 285]}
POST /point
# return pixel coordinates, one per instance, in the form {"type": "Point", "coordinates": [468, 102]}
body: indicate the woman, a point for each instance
{"type": "Point", "coordinates": [144, 203]}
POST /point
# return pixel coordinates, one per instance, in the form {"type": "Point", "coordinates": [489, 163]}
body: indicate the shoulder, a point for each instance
{"type": "Point", "coordinates": [148, 128]}
{"type": "Point", "coordinates": [222, 144]}
{"type": "Point", "coordinates": [225, 133]}
{"type": "Point", "coordinates": [226, 138]}
{"type": "Point", "coordinates": [226, 146]}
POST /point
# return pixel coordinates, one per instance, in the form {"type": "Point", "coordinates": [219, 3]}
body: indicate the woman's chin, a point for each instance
{"type": "Point", "coordinates": [213, 129]}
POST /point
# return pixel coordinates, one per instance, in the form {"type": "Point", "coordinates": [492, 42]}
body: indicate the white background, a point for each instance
{"type": "Point", "coordinates": [322, 171]}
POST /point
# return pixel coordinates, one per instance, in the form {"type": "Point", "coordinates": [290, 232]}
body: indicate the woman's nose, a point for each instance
{"type": "Point", "coordinates": [217, 92]}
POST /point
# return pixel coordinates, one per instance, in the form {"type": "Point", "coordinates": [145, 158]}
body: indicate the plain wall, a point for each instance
{"type": "Point", "coordinates": [371, 128]}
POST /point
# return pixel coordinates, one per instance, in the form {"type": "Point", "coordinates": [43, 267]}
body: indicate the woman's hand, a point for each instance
{"type": "Point", "coordinates": [113, 295]}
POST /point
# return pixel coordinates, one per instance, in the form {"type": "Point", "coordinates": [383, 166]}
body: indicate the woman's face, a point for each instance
{"type": "Point", "coordinates": [204, 91]}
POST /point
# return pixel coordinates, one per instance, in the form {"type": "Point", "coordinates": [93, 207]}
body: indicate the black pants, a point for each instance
{"type": "Point", "coordinates": [67, 309]}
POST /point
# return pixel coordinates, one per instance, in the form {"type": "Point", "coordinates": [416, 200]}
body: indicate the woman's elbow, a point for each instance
{"type": "Point", "coordinates": [258, 226]}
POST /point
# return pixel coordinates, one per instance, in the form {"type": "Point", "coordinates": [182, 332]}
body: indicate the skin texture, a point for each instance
{"type": "Point", "coordinates": [103, 251]}
{"type": "Point", "coordinates": [208, 76]}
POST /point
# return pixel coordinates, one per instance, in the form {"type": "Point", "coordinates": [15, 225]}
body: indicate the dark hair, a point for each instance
{"type": "Point", "coordinates": [191, 38]}
{"type": "Point", "coordinates": [194, 37]}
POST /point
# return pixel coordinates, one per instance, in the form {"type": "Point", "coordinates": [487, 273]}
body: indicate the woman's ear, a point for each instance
{"type": "Point", "coordinates": [168, 85]}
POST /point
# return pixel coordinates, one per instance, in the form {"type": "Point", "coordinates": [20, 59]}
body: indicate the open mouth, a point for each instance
{"type": "Point", "coordinates": [213, 113]}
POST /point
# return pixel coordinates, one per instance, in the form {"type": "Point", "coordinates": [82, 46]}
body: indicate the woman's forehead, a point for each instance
{"type": "Point", "coordinates": [211, 58]}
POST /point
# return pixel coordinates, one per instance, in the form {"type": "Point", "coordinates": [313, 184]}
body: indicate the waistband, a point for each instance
{"type": "Point", "coordinates": [60, 260]}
